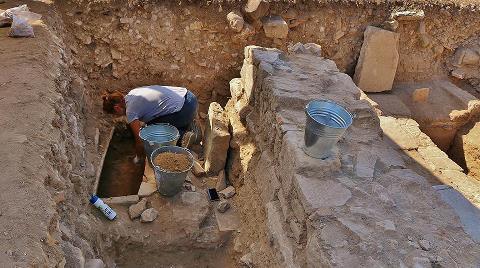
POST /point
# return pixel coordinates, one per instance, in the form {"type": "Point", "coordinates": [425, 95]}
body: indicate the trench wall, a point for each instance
{"type": "Point", "coordinates": [363, 206]}
{"type": "Point", "coordinates": [120, 44]}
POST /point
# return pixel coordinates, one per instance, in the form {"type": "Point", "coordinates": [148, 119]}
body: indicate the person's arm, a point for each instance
{"type": "Point", "coordinates": [135, 125]}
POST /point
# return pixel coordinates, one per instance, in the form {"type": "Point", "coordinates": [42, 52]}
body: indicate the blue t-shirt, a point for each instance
{"type": "Point", "coordinates": [150, 102]}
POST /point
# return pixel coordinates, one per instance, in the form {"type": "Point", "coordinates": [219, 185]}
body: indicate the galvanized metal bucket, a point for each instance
{"type": "Point", "coordinates": [326, 123]}
{"type": "Point", "coordinates": [170, 183]}
{"type": "Point", "coordinates": [158, 135]}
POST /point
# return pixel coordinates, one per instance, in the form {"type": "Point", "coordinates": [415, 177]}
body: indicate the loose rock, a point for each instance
{"type": "Point", "coordinates": [255, 9]}
{"type": "Point", "coordinates": [197, 169]}
{"type": "Point", "coordinates": [149, 215]}
{"type": "Point", "coordinates": [228, 192]}
{"type": "Point", "coordinates": [134, 211]}
{"type": "Point", "coordinates": [235, 20]}
{"type": "Point", "coordinates": [223, 206]}
{"type": "Point", "coordinates": [275, 27]}
{"type": "Point", "coordinates": [425, 244]}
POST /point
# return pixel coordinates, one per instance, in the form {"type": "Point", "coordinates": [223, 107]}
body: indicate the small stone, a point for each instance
{"type": "Point", "coordinates": [197, 169]}
{"type": "Point", "coordinates": [425, 244]}
{"type": "Point", "coordinates": [189, 187]}
{"type": "Point", "coordinates": [228, 192]}
{"type": "Point", "coordinates": [457, 73]}
{"type": "Point", "coordinates": [146, 189]}
{"type": "Point", "coordinates": [134, 211]}
{"type": "Point", "coordinates": [223, 206]}
{"type": "Point", "coordinates": [235, 20]}
{"type": "Point", "coordinates": [275, 27]}
{"type": "Point", "coordinates": [149, 215]}
{"type": "Point", "coordinates": [421, 94]}
{"type": "Point", "coordinates": [246, 260]}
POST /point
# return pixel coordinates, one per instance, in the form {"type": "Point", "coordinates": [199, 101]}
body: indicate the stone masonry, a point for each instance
{"type": "Point", "coordinates": [363, 206]}
{"type": "Point", "coordinates": [377, 64]}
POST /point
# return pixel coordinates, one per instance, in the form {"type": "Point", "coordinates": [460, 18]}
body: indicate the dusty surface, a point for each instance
{"type": "Point", "coordinates": [172, 162]}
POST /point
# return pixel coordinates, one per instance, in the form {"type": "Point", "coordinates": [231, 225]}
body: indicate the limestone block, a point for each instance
{"type": "Point", "coordinates": [377, 64]}
{"type": "Point", "coordinates": [235, 20]}
{"type": "Point", "coordinates": [266, 178]}
{"type": "Point", "coordinates": [275, 27]}
{"type": "Point", "coordinates": [365, 164]}
{"type": "Point", "coordinates": [217, 139]}
{"type": "Point", "coordinates": [421, 94]}
{"type": "Point", "coordinates": [466, 149]}
{"type": "Point", "coordinates": [255, 9]}
{"type": "Point", "coordinates": [314, 193]}
{"type": "Point", "coordinates": [236, 88]}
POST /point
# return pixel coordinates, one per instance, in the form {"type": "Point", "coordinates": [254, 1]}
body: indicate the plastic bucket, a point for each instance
{"type": "Point", "coordinates": [158, 135]}
{"type": "Point", "coordinates": [326, 123]}
{"type": "Point", "coordinates": [170, 183]}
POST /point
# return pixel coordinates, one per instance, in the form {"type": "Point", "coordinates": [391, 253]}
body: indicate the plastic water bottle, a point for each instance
{"type": "Point", "coordinates": [108, 211]}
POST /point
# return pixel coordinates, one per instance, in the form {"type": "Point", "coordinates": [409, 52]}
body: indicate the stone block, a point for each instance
{"type": "Point", "coordinates": [281, 241]}
{"type": "Point", "coordinates": [466, 148]}
{"type": "Point", "coordinates": [197, 169]}
{"type": "Point", "coordinates": [378, 60]}
{"type": "Point", "coordinates": [256, 9]}
{"type": "Point", "coordinates": [365, 164]}
{"type": "Point", "coordinates": [420, 94]}
{"type": "Point", "coordinates": [217, 139]}
{"type": "Point", "coordinates": [275, 27]}
{"type": "Point", "coordinates": [221, 181]}
{"type": "Point", "coordinates": [122, 200]}
{"type": "Point", "coordinates": [235, 20]}
{"type": "Point", "coordinates": [314, 193]}
{"type": "Point", "coordinates": [146, 189]}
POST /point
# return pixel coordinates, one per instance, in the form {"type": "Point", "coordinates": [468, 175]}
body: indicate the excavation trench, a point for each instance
{"type": "Point", "coordinates": [119, 45]}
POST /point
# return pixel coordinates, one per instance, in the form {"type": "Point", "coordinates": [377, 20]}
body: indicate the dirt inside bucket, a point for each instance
{"type": "Point", "coordinates": [172, 162]}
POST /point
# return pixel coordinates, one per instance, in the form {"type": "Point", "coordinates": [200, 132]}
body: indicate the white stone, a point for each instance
{"type": "Point", "coordinates": [146, 189]}
{"type": "Point", "coordinates": [255, 9]}
{"type": "Point", "coordinates": [124, 200]}
{"type": "Point", "coordinates": [235, 20]}
{"type": "Point", "coordinates": [228, 192]}
{"type": "Point", "coordinates": [425, 244]}
{"type": "Point", "coordinates": [149, 215]}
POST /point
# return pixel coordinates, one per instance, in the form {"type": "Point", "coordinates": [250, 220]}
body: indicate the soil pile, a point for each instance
{"type": "Point", "coordinates": [172, 162]}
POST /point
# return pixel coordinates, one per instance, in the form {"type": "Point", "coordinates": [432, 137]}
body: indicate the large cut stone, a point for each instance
{"type": "Point", "coordinates": [275, 27]}
{"type": "Point", "coordinates": [377, 64]}
{"type": "Point", "coordinates": [217, 139]}
{"type": "Point", "coordinates": [315, 193]}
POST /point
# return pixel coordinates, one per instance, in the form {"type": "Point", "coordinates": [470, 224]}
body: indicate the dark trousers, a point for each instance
{"type": "Point", "coordinates": [182, 119]}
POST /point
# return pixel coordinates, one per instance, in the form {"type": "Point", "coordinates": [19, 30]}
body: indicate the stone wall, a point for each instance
{"type": "Point", "coordinates": [363, 206]}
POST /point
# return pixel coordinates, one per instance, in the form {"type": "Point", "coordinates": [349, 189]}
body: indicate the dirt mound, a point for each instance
{"type": "Point", "coordinates": [172, 162]}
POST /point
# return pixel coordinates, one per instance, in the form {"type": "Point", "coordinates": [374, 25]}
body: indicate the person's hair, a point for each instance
{"type": "Point", "coordinates": [110, 100]}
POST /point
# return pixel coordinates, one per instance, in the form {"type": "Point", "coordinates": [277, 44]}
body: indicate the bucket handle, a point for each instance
{"type": "Point", "coordinates": [353, 115]}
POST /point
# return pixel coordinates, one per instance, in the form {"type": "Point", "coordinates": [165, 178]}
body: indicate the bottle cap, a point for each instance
{"type": "Point", "coordinates": [93, 199]}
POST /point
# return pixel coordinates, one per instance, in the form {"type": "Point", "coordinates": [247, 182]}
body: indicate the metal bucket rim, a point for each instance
{"type": "Point", "coordinates": [164, 148]}
{"type": "Point", "coordinates": [175, 135]}
{"type": "Point", "coordinates": [330, 101]}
